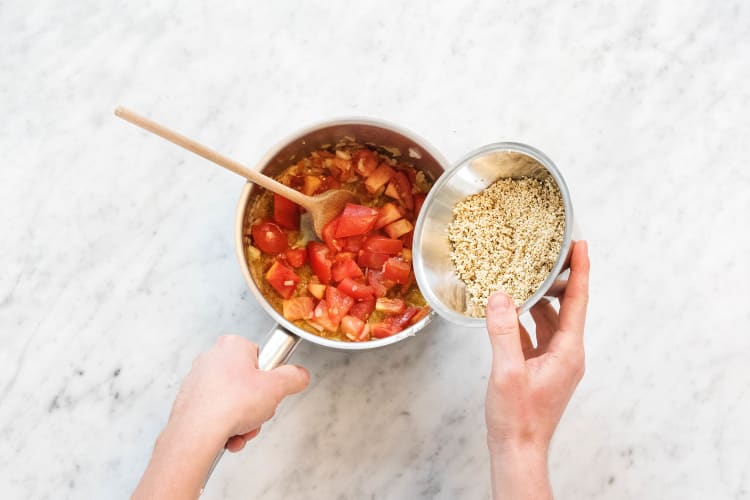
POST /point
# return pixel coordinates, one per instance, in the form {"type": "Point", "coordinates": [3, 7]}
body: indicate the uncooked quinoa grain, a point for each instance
{"type": "Point", "coordinates": [507, 238]}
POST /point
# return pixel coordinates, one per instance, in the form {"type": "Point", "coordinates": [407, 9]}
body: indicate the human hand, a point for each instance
{"type": "Point", "coordinates": [529, 387]}
{"type": "Point", "coordinates": [227, 392]}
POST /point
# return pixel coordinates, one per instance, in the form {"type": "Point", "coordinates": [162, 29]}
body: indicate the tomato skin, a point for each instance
{"type": "Point", "coordinates": [269, 237]}
{"type": "Point", "coordinates": [388, 213]}
{"type": "Point", "coordinates": [365, 161]}
{"type": "Point", "coordinates": [282, 279]}
{"type": "Point", "coordinates": [381, 244]}
{"type": "Point", "coordinates": [285, 213]}
{"type": "Point", "coordinates": [355, 220]}
{"type": "Point", "coordinates": [418, 202]}
{"type": "Point", "coordinates": [355, 289]}
{"type": "Point", "coordinates": [363, 309]}
{"type": "Point", "coordinates": [298, 308]}
{"type": "Point", "coordinates": [353, 328]}
{"type": "Point", "coordinates": [421, 313]}
{"type": "Point", "coordinates": [338, 303]}
{"type": "Point", "coordinates": [390, 306]}
{"type": "Point", "coordinates": [354, 243]}
{"type": "Point", "coordinates": [404, 318]}
{"type": "Point", "coordinates": [296, 257]}
{"type": "Point", "coordinates": [400, 189]}
{"type": "Point", "coordinates": [317, 254]}
{"type": "Point", "coordinates": [396, 270]}
{"type": "Point", "coordinates": [378, 283]}
{"type": "Point", "coordinates": [408, 239]}
{"type": "Point", "coordinates": [345, 268]}
{"type": "Point", "coordinates": [371, 260]}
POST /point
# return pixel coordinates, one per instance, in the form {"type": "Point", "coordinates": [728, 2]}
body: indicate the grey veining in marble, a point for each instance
{"type": "Point", "coordinates": [117, 248]}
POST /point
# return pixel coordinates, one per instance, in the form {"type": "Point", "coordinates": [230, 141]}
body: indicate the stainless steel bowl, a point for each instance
{"type": "Point", "coordinates": [436, 278]}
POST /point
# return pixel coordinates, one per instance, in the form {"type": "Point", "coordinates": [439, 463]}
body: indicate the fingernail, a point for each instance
{"type": "Point", "coordinates": [500, 300]}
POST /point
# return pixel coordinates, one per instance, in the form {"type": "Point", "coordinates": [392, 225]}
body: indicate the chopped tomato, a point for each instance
{"type": "Point", "coordinates": [421, 313]}
{"type": "Point", "coordinates": [383, 330]}
{"type": "Point", "coordinates": [396, 270]}
{"type": "Point", "coordinates": [355, 289]}
{"type": "Point", "coordinates": [405, 254]}
{"type": "Point", "coordinates": [311, 185]}
{"type": "Point", "coordinates": [345, 268]}
{"type": "Point", "coordinates": [282, 279]}
{"type": "Point", "coordinates": [355, 220]}
{"type": "Point", "coordinates": [379, 178]}
{"type": "Point", "coordinates": [334, 245]}
{"type": "Point", "coordinates": [404, 318]}
{"type": "Point", "coordinates": [339, 304]}
{"type": "Point", "coordinates": [418, 202]}
{"type": "Point", "coordinates": [390, 306]}
{"type": "Point", "coordinates": [342, 168]}
{"type": "Point", "coordinates": [298, 308]}
{"type": "Point", "coordinates": [363, 309]}
{"type": "Point", "coordinates": [317, 290]}
{"type": "Point", "coordinates": [322, 319]}
{"type": "Point", "coordinates": [378, 283]}
{"type": "Point", "coordinates": [319, 261]}
{"type": "Point", "coordinates": [400, 189]}
{"type": "Point", "coordinates": [371, 260]}
{"type": "Point", "coordinates": [269, 238]}
{"type": "Point", "coordinates": [381, 244]}
{"type": "Point", "coordinates": [285, 213]}
{"type": "Point", "coordinates": [365, 162]}
{"type": "Point", "coordinates": [388, 213]}
{"type": "Point", "coordinates": [329, 182]}
{"type": "Point", "coordinates": [399, 228]}
{"type": "Point", "coordinates": [353, 327]}
{"type": "Point", "coordinates": [354, 243]}
{"type": "Point", "coordinates": [296, 257]}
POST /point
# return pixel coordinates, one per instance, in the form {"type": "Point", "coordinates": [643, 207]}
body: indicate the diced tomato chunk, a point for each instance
{"type": "Point", "coordinates": [365, 161]}
{"type": "Point", "coordinates": [339, 304]}
{"type": "Point", "coordinates": [400, 189]}
{"type": "Point", "coordinates": [269, 237]}
{"type": "Point", "coordinates": [371, 260]}
{"type": "Point", "coordinates": [345, 268]}
{"type": "Point", "coordinates": [421, 313]}
{"type": "Point", "coordinates": [355, 289]}
{"type": "Point", "coordinates": [363, 309]}
{"type": "Point", "coordinates": [396, 270]}
{"type": "Point", "coordinates": [282, 279]}
{"type": "Point", "coordinates": [354, 243]}
{"type": "Point", "coordinates": [317, 290]}
{"type": "Point", "coordinates": [329, 230]}
{"type": "Point", "coordinates": [379, 178]}
{"type": "Point", "coordinates": [398, 228]}
{"type": "Point", "coordinates": [383, 330]}
{"type": "Point", "coordinates": [381, 244]}
{"type": "Point", "coordinates": [322, 319]}
{"type": "Point", "coordinates": [296, 257]}
{"type": "Point", "coordinates": [285, 213]}
{"type": "Point", "coordinates": [388, 213]}
{"type": "Point", "coordinates": [404, 318]}
{"type": "Point", "coordinates": [298, 308]}
{"type": "Point", "coordinates": [352, 327]}
{"type": "Point", "coordinates": [319, 261]}
{"type": "Point", "coordinates": [342, 168]}
{"type": "Point", "coordinates": [408, 239]}
{"type": "Point", "coordinates": [390, 306]}
{"type": "Point", "coordinates": [355, 220]}
{"type": "Point", "coordinates": [378, 283]}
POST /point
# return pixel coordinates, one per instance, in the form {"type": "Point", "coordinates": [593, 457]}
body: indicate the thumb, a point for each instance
{"type": "Point", "coordinates": [291, 378]}
{"type": "Point", "coordinates": [502, 326]}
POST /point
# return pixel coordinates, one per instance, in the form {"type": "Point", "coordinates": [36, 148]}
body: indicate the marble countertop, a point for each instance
{"type": "Point", "coordinates": [118, 262]}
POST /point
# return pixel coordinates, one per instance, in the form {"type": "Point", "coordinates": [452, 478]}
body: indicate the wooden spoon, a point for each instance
{"type": "Point", "coordinates": [323, 207]}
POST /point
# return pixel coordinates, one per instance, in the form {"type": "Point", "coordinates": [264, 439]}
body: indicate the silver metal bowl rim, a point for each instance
{"type": "Point", "coordinates": [444, 179]}
{"type": "Point", "coordinates": [239, 243]}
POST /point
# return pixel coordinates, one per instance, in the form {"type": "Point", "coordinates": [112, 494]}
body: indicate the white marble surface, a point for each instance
{"type": "Point", "coordinates": [117, 249]}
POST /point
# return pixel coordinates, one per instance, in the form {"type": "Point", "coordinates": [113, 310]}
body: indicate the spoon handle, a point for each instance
{"type": "Point", "coordinates": [214, 156]}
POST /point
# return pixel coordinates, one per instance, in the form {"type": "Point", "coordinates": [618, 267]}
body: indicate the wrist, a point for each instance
{"type": "Point", "coordinates": [519, 470]}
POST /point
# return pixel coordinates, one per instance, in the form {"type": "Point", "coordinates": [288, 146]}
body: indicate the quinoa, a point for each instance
{"type": "Point", "coordinates": [506, 238]}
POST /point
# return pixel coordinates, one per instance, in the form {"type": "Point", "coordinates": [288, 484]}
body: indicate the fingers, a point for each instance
{"type": "Point", "coordinates": [240, 344]}
{"type": "Point", "coordinates": [235, 444]}
{"type": "Point", "coordinates": [573, 307]}
{"type": "Point", "coordinates": [291, 378]}
{"type": "Point", "coordinates": [502, 326]}
{"type": "Point", "coordinates": [545, 319]}
{"type": "Point", "coordinates": [526, 345]}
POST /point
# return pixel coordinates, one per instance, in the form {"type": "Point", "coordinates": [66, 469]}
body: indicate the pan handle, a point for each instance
{"type": "Point", "coordinates": [275, 351]}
